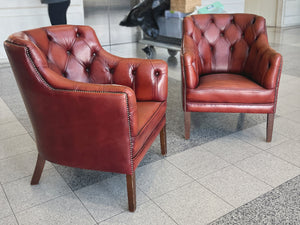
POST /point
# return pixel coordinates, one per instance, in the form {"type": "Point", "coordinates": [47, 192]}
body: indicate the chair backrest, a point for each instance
{"type": "Point", "coordinates": [71, 51]}
{"type": "Point", "coordinates": [225, 42]}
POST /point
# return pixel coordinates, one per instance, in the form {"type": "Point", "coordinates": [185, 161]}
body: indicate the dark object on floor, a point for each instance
{"type": "Point", "coordinates": [228, 66]}
{"type": "Point", "coordinates": [89, 109]}
{"type": "Point", "coordinates": [145, 15]}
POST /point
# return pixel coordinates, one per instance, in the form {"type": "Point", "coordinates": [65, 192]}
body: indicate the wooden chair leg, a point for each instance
{"type": "Point", "coordinates": [270, 122]}
{"type": "Point", "coordinates": [163, 141]}
{"type": "Point", "coordinates": [131, 191]}
{"type": "Point", "coordinates": [187, 124]}
{"type": "Point", "coordinates": [40, 163]}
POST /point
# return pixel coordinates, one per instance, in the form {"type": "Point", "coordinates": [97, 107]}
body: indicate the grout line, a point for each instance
{"type": "Point", "coordinates": [13, 213]}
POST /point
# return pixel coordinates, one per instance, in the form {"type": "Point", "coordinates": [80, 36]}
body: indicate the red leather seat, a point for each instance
{"type": "Point", "coordinates": [89, 109]}
{"type": "Point", "coordinates": [228, 66]}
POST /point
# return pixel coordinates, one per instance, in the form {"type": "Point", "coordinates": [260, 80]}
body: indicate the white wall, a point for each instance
{"type": "Point", "coordinates": [17, 15]}
{"type": "Point", "coordinates": [290, 13]}
{"type": "Point", "coordinates": [265, 8]}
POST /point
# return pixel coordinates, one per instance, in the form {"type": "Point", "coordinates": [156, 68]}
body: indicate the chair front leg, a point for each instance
{"type": "Point", "coordinates": [40, 163]}
{"type": "Point", "coordinates": [163, 141]}
{"type": "Point", "coordinates": [270, 123]}
{"type": "Point", "coordinates": [131, 191]}
{"type": "Point", "coordinates": [187, 124]}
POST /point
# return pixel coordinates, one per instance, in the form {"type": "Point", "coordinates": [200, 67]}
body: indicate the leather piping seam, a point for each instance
{"type": "Point", "coordinates": [27, 51]}
{"type": "Point", "coordinates": [277, 85]}
{"type": "Point", "coordinates": [146, 142]}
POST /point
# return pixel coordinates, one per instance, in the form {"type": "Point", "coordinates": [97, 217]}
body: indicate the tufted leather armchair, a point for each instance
{"type": "Point", "coordinates": [228, 66]}
{"type": "Point", "coordinates": [89, 109]}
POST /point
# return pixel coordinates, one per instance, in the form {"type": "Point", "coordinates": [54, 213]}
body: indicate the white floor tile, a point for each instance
{"type": "Point", "coordinates": [10, 220]}
{"type": "Point", "coordinates": [294, 116]}
{"type": "Point", "coordinates": [5, 209]}
{"type": "Point", "coordinates": [5, 114]}
{"type": "Point", "coordinates": [231, 149]}
{"type": "Point", "coordinates": [22, 195]}
{"type": "Point", "coordinates": [11, 129]}
{"type": "Point", "coordinates": [269, 169]}
{"type": "Point", "coordinates": [193, 204]}
{"type": "Point", "coordinates": [146, 214]}
{"type": "Point", "coordinates": [19, 166]}
{"type": "Point", "coordinates": [16, 145]}
{"type": "Point", "coordinates": [286, 127]}
{"type": "Point", "coordinates": [159, 178]}
{"type": "Point", "coordinates": [257, 136]}
{"type": "Point", "coordinates": [289, 151]}
{"type": "Point", "coordinates": [66, 210]}
{"type": "Point", "coordinates": [108, 198]}
{"type": "Point", "coordinates": [234, 185]}
{"type": "Point", "coordinates": [197, 162]}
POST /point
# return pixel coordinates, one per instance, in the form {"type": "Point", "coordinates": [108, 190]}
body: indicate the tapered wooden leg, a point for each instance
{"type": "Point", "coordinates": [131, 192]}
{"type": "Point", "coordinates": [270, 122]}
{"type": "Point", "coordinates": [163, 141]}
{"type": "Point", "coordinates": [40, 163]}
{"type": "Point", "coordinates": [187, 124]}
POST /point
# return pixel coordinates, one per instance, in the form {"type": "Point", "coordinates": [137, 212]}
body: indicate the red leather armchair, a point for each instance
{"type": "Point", "coordinates": [89, 109]}
{"type": "Point", "coordinates": [228, 66]}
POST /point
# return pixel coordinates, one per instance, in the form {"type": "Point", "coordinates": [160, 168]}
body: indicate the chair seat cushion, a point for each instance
{"type": "Point", "coordinates": [149, 115]}
{"type": "Point", "coordinates": [229, 88]}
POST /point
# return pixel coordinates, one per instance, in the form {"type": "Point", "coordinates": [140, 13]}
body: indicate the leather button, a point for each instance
{"type": "Point", "coordinates": [94, 54]}
{"type": "Point", "coordinates": [87, 70]}
{"type": "Point", "coordinates": [77, 35]}
{"type": "Point", "coordinates": [133, 72]}
{"type": "Point", "coordinates": [222, 34]}
{"type": "Point", "coordinates": [68, 52]}
{"type": "Point", "coordinates": [156, 73]}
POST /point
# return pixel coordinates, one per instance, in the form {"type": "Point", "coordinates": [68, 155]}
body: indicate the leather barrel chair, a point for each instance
{"type": "Point", "coordinates": [89, 109]}
{"type": "Point", "coordinates": [228, 66]}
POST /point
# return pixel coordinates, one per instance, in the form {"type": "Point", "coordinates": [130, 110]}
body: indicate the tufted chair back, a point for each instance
{"type": "Point", "coordinates": [228, 66]}
{"type": "Point", "coordinates": [226, 42]}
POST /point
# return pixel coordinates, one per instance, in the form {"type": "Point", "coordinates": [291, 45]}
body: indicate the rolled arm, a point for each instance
{"type": "Point", "coordinates": [189, 61]}
{"type": "Point", "coordinates": [270, 65]}
{"type": "Point", "coordinates": [147, 77]}
{"type": "Point", "coordinates": [60, 84]}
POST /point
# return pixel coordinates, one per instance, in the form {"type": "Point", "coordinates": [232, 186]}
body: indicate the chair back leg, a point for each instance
{"type": "Point", "coordinates": [163, 141]}
{"type": "Point", "coordinates": [270, 122]}
{"type": "Point", "coordinates": [187, 124]}
{"type": "Point", "coordinates": [40, 163]}
{"type": "Point", "coordinates": [131, 191]}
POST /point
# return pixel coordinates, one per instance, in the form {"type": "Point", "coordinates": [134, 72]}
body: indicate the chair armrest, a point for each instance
{"type": "Point", "coordinates": [190, 62]}
{"type": "Point", "coordinates": [270, 65]}
{"type": "Point", "coordinates": [147, 77]}
{"type": "Point", "coordinates": [98, 91]}
{"type": "Point", "coordinates": [264, 65]}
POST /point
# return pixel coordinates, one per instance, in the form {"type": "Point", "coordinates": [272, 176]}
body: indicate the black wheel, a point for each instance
{"type": "Point", "coordinates": [150, 51]}
{"type": "Point", "coordinates": [172, 52]}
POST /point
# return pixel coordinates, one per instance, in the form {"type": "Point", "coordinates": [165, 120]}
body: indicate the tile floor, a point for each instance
{"type": "Point", "coordinates": [195, 186]}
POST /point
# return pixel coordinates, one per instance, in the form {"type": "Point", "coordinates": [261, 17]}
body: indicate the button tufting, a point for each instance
{"type": "Point", "coordinates": [94, 54]}
{"type": "Point", "coordinates": [68, 52]}
{"type": "Point", "coordinates": [156, 73]}
{"type": "Point", "coordinates": [77, 35]}
{"type": "Point", "coordinates": [222, 34]}
{"type": "Point", "coordinates": [133, 72]}
{"type": "Point", "coordinates": [87, 70]}
{"type": "Point", "coordinates": [49, 37]}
